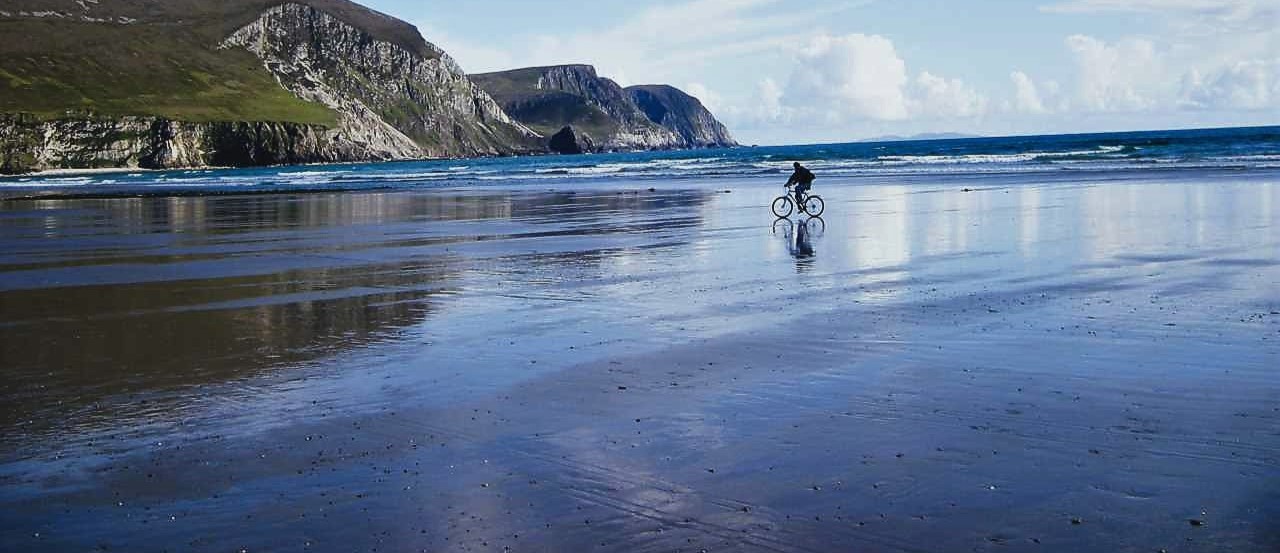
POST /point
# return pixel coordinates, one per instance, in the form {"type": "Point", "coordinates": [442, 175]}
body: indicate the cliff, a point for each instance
{"type": "Point", "coordinates": [308, 81]}
{"type": "Point", "coordinates": [188, 83]}
{"type": "Point", "coordinates": [29, 143]}
{"type": "Point", "coordinates": [555, 98]}
{"type": "Point", "coordinates": [682, 114]}
{"type": "Point", "coordinates": [401, 103]}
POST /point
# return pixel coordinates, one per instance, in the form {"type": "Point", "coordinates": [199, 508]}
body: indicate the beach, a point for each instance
{"type": "Point", "coordinates": [1034, 361]}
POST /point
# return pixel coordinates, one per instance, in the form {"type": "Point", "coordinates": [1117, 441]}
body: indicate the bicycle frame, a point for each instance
{"type": "Point", "coordinates": [790, 202]}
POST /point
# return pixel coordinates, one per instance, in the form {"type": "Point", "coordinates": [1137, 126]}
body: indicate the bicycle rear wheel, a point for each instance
{"type": "Point", "coordinates": [814, 206]}
{"type": "Point", "coordinates": [783, 225]}
{"type": "Point", "coordinates": [783, 206]}
{"type": "Point", "coordinates": [816, 225]}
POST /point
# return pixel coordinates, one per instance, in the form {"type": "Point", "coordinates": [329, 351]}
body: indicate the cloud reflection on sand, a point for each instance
{"type": "Point", "coordinates": [628, 369]}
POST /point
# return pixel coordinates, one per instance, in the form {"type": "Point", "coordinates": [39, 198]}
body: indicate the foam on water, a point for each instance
{"type": "Point", "coordinates": [1236, 149]}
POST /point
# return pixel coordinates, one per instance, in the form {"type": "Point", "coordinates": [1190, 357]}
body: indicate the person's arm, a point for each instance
{"type": "Point", "coordinates": [794, 179]}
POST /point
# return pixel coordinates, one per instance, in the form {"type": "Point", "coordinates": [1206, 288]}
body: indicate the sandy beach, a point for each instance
{"type": "Point", "coordinates": [1024, 362]}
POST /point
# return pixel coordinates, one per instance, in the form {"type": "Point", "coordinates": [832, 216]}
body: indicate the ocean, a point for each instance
{"type": "Point", "coordinates": [1053, 344]}
{"type": "Point", "coordinates": [1229, 149]}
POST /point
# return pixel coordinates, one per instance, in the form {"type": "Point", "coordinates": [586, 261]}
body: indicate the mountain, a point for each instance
{"type": "Point", "coordinates": [574, 101]}
{"type": "Point", "coordinates": [681, 113]}
{"type": "Point", "coordinates": [191, 83]}
{"type": "Point", "coordinates": [174, 83]}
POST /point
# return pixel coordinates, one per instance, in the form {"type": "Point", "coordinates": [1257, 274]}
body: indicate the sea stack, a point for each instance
{"type": "Point", "coordinates": [570, 141]}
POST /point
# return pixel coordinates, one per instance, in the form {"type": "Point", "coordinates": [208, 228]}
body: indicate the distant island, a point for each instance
{"type": "Point", "coordinates": [921, 136]}
{"type": "Point", "coordinates": [187, 83]}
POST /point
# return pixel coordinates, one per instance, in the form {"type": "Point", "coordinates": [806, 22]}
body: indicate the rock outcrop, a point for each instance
{"type": "Point", "coordinates": [571, 141]}
{"type": "Point", "coordinates": [396, 102]}
{"type": "Point", "coordinates": [189, 83]}
{"type": "Point", "coordinates": [550, 98]}
{"type": "Point", "coordinates": [32, 144]}
{"type": "Point", "coordinates": [682, 114]}
{"type": "Point", "coordinates": [635, 131]}
{"type": "Point", "coordinates": [390, 98]}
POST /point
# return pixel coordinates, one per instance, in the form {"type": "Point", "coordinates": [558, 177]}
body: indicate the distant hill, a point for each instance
{"type": "Point", "coordinates": [921, 136]}
{"type": "Point", "coordinates": [576, 101]}
{"type": "Point", "coordinates": [170, 83]}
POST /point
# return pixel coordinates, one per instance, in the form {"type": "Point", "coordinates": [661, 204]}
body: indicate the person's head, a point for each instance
{"type": "Point", "coordinates": [796, 165]}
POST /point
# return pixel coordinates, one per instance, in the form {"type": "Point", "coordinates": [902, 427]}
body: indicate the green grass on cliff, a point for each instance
{"type": "Point", "coordinates": [545, 111]}
{"type": "Point", "coordinates": [165, 63]}
{"type": "Point", "coordinates": [112, 70]}
{"type": "Point", "coordinates": [549, 111]}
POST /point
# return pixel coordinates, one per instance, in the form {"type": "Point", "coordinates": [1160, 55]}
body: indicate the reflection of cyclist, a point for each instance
{"type": "Point", "coordinates": [803, 179]}
{"type": "Point", "coordinates": [804, 247]}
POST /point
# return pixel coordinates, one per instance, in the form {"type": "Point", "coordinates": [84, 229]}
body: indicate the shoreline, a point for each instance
{"type": "Point", "coordinates": [375, 162]}
{"type": "Point", "coordinates": [1244, 149]}
{"type": "Point", "coordinates": [1051, 364]}
{"type": "Point", "coordinates": [20, 193]}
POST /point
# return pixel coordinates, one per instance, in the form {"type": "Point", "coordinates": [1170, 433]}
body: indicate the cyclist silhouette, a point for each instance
{"type": "Point", "coordinates": [803, 179]}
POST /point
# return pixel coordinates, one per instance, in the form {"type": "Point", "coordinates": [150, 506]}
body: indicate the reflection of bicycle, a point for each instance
{"type": "Point", "coordinates": [799, 238]}
{"type": "Point", "coordinates": [812, 206]}
{"type": "Point", "coordinates": [816, 226]}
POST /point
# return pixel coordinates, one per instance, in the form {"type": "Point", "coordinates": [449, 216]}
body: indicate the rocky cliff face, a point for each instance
{"type": "Point", "coordinates": [571, 141]}
{"type": "Point", "coordinates": [549, 99]}
{"type": "Point", "coordinates": [682, 114]}
{"type": "Point", "coordinates": [396, 102]}
{"type": "Point", "coordinates": [31, 144]}
{"type": "Point", "coordinates": [185, 83]}
{"type": "Point", "coordinates": [391, 100]}
{"type": "Point", "coordinates": [635, 131]}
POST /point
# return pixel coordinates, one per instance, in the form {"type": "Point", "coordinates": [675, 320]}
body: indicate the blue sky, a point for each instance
{"type": "Point", "coordinates": [786, 71]}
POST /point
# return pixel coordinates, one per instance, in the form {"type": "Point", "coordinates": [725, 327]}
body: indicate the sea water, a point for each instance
{"type": "Point", "coordinates": [1231, 149]}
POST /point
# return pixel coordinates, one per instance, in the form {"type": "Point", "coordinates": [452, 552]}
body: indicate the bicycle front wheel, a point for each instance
{"type": "Point", "coordinates": [782, 207]}
{"type": "Point", "coordinates": [814, 206]}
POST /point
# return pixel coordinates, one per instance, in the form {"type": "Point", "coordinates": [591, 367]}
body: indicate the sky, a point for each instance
{"type": "Point", "coordinates": [792, 71]}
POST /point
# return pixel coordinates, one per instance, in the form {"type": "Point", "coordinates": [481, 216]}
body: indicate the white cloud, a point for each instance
{"type": "Point", "coordinates": [946, 98]}
{"type": "Point", "coordinates": [1215, 16]}
{"type": "Point", "coordinates": [770, 95]}
{"type": "Point", "coordinates": [1094, 6]}
{"type": "Point", "coordinates": [1026, 95]}
{"type": "Point", "coordinates": [1203, 15]}
{"type": "Point", "coordinates": [1214, 55]}
{"type": "Point", "coordinates": [1123, 76]}
{"type": "Point", "coordinates": [762, 108]}
{"type": "Point", "coordinates": [709, 99]}
{"type": "Point", "coordinates": [472, 57]}
{"type": "Point", "coordinates": [777, 66]}
{"type": "Point", "coordinates": [1204, 30]}
{"type": "Point", "coordinates": [656, 42]}
{"type": "Point", "coordinates": [836, 82]}
{"type": "Point", "coordinates": [854, 76]}
{"type": "Point", "coordinates": [1247, 85]}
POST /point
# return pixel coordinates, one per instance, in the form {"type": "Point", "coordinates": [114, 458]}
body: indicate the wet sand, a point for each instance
{"type": "Point", "coordinates": [1066, 363]}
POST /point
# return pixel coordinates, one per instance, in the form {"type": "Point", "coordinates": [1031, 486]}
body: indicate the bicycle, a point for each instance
{"type": "Point", "coordinates": [817, 226]}
{"type": "Point", "coordinates": [812, 206]}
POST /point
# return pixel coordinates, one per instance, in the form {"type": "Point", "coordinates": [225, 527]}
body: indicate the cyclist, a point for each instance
{"type": "Point", "coordinates": [803, 179]}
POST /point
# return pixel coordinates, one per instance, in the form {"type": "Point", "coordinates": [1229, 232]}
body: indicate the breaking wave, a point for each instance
{"type": "Point", "coordinates": [1241, 149]}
